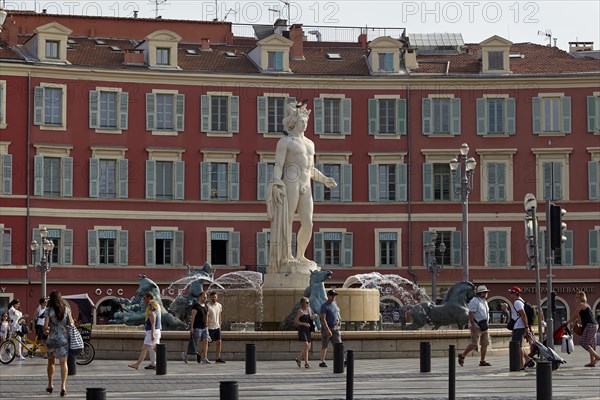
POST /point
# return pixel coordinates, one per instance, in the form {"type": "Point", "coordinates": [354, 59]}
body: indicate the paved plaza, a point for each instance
{"type": "Point", "coordinates": [374, 379]}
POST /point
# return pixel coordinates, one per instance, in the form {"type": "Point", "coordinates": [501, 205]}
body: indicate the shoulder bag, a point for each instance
{"type": "Point", "coordinates": [75, 341]}
{"type": "Point", "coordinates": [578, 329]}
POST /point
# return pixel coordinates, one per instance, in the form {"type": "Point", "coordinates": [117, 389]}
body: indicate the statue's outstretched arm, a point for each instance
{"type": "Point", "coordinates": [319, 177]}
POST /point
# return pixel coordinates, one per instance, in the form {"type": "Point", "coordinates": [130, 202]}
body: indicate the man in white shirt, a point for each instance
{"type": "Point", "coordinates": [521, 324]}
{"type": "Point", "coordinates": [479, 316]}
{"type": "Point", "coordinates": [214, 324]}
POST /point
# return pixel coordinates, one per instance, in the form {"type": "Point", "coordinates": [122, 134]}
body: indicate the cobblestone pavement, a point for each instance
{"type": "Point", "coordinates": [380, 379]}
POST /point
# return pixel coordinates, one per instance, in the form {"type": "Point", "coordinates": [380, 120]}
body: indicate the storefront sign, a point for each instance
{"type": "Point", "coordinates": [568, 289]}
{"type": "Point", "coordinates": [109, 292]}
{"type": "Point", "coordinates": [219, 236]}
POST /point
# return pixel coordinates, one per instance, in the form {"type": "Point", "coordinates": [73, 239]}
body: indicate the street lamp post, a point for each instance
{"type": "Point", "coordinates": [44, 265]}
{"type": "Point", "coordinates": [432, 264]}
{"type": "Point", "coordinates": [466, 167]}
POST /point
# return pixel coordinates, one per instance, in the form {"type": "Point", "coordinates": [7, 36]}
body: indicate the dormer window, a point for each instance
{"type": "Point", "coordinates": [384, 55]}
{"type": "Point", "coordinates": [495, 53]}
{"type": "Point", "coordinates": [272, 54]}
{"type": "Point", "coordinates": [162, 56]}
{"type": "Point", "coordinates": [496, 60]}
{"type": "Point", "coordinates": [160, 49]}
{"type": "Point", "coordinates": [52, 49]}
{"type": "Point", "coordinates": [275, 60]}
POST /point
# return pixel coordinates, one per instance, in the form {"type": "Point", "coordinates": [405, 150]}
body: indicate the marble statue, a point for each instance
{"type": "Point", "coordinates": [290, 191]}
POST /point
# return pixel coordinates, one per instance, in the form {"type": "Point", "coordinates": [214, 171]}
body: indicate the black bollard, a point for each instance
{"type": "Point", "coordinates": [161, 359]}
{"type": "Point", "coordinates": [514, 356]}
{"type": "Point", "coordinates": [228, 390]}
{"type": "Point", "coordinates": [95, 394]}
{"type": "Point", "coordinates": [72, 365]}
{"type": "Point", "coordinates": [451, 372]}
{"type": "Point", "coordinates": [250, 358]}
{"type": "Point", "coordinates": [350, 375]}
{"type": "Point", "coordinates": [338, 358]}
{"type": "Point", "coordinates": [543, 380]}
{"type": "Point", "coordinates": [425, 357]}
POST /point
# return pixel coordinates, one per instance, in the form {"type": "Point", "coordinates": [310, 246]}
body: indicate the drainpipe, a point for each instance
{"type": "Point", "coordinates": [28, 183]}
{"type": "Point", "coordinates": [408, 181]}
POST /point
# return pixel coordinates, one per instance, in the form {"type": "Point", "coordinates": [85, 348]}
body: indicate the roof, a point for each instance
{"type": "Point", "coordinates": [232, 58]}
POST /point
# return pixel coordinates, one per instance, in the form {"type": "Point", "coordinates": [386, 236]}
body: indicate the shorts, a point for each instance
{"type": "Point", "coordinates": [518, 334]}
{"type": "Point", "coordinates": [39, 332]}
{"type": "Point", "coordinates": [148, 337]}
{"type": "Point", "coordinates": [480, 337]}
{"type": "Point", "coordinates": [201, 334]}
{"type": "Point", "coordinates": [214, 334]}
{"type": "Point", "coordinates": [304, 336]}
{"type": "Point", "coordinates": [335, 337]}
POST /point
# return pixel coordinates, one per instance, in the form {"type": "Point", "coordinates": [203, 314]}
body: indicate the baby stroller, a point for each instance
{"type": "Point", "coordinates": [541, 350]}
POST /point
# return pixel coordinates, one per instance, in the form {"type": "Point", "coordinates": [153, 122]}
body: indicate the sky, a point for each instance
{"type": "Point", "coordinates": [519, 21]}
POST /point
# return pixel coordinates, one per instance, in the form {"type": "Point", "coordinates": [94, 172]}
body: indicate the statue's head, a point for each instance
{"type": "Point", "coordinates": [295, 113]}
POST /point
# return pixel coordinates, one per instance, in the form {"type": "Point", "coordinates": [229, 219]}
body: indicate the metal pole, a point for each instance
{"type": "Point", "coordinates": [465, 221]}
{"type": "Point", "coordinates": [538, 287]}
{"type": "Point", "coordinates": [44, 272]}
{"type": "Point", "coordinates": [549, 319]}
{"type": "Point", "coordinates": [350, 375]}
{"type": "Point", "coordinates": [451, 372]}
{"type": "Point", "coordinates": [433, 284]}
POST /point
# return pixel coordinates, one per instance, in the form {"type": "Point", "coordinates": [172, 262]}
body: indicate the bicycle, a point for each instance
{"type": "Point", "coordinates": [8, 349]}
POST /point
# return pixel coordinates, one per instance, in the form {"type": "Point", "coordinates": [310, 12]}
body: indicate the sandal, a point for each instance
{"type": "Point", "coordinates": [590, 365]}
{"type": "Point", "coordinates": [306, 365]}
{"type": "Point", "coordinates": [461, 360]}
{"type": "Point", "coordinates": [133, 366]}
{"type": "Point", "coordinates": [484, 364]}
{"type": "Point", "coordinates": [298, 362]}
{"type": "Point", "coordinates": [49, 389]}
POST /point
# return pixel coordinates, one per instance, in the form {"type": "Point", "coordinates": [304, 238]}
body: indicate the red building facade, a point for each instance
{"type": "Point", "coordinates": [149, 150]}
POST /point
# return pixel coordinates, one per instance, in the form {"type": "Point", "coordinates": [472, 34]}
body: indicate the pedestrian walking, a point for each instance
{"type": "Point", "coordinates": [304, 320]}
{"type": "Point", "coordinates": [14, 320]}
{"type": "Point", "coordinates": [57, 343]}
{"type": "Point", "coordinates": [152, 338]}
{"type": "Point", "coordinates": [215, 309]}
{"type": "Point", "coordinates": [330, 325]}
{"type": "Point", "coordinates": [583, 312]}
{"type": "Point", "coordinates": [522, 325]}
{"type": "Point", "coordinates": [479, 316]}
{"type": "Point", "coordinates": [199, 329]}
{"type": "Point", "coordinates": [40, 313]}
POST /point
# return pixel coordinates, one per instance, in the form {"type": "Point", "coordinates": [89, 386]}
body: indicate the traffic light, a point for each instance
{"type": "Point", "coordinates": [557, 227]}
{"type": "Point", "coordinates": [531, 225]}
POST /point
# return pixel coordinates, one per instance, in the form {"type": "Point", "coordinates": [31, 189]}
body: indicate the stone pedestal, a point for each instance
{"type": "Point", "coordinates": [291, 276]}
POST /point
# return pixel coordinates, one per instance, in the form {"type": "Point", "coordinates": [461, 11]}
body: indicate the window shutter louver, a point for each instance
{"type": "Point", "coordinates": [346, 182]}
{"type": "Point", "coordinates": [94, 177]}
{"type": "Point", "coordinates": [94, 108]}
{"type": "Point", "coordinates": [318, 112]}
{"type": "Point", "coordinates": [178, 235]}
{"type": "Point", "coordinates": [262, 250]}
{"type": "Point", "coordinates": [179, 167]}
{"type": "Point", "coordinates": [566, 114]}
{"type": "Point", "coordinates": [511, 115]}
{"type": "Point", "coordinates": [38, 173]}
{"type": "Point", "coordinates": [594, 179]}
{"type": "Point", "coordinates": [426, 118]}
{"type": "Point", "coordinates": [261, 114]}
{"type": "Point", "coordinates": [346, 106]}
{"type": "Point", "coordinates": [234, 114]}
{"type": "Point", "coordinates": [347, 248]}
{"type": "Point", "coordinates": [149, 244]}
{"type": "Point", "coordinates": [234, 181]}
{"type": "Point", "coordinates": [261, 181]}
{"type": "Point", "coordinates": [402, 185]}
{"type": "Point", "coordinates": [205, 181]}
{"type": "Point", "coordinates": [567, 250]}
{"type": "Point", "coordinates": [6, 173]}
{"type": "Point", "coordinates": [92, 247]}
{"type": "Point", "coordinates": [455, 107]}
{"type": "Point", "coordinates": [455, 251]}
{"type": "Point", "coordinates": [150, 179]}
{"type": "Point", "coordinates": [67, 176]}
{"type": "Point", "coordinates": [427, 182]}
{"type": "Point", "coordinates": [536, 104]}
{"type": "Point", "coordinates": [594, 247]}
{"type": "Point", "coordinates": [123, 111]}
{"type": "Point", "coordinates": [481, 120]}
{"type": "Point", "coordinates": [593, 119]}
{"type": "Point", "coordinates": [234, 237]}
{"type": "Point", "coordinates": [205, 113]}
{"type": "Point", "coordinates": [318, 248]}
{"type": "Point", "coordinates": [123, 165]}
{"type": "Point", "coordinates": [319, 188]}
{"type": "Point", "coordinates": [67, 243]}
{"type": "Point", "coordinates": [401, 116]}
{"type": "Point", "coordinates": [373, 116]}
{"type": "Point", "coordinates": [123, 243]}
{"type": "Point", "coordinates": [38, 106]}
{"type": "Point", "coordinates": [373, 182]}
{"type": "Point", "coordinates": [179, 112]}
{"type": "Point", "coordinates": [150, 112]}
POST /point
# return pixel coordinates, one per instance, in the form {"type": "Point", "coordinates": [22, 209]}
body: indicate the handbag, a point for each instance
{"type": "Point", "coordinates": [483, 325]}
{"type": "Point", "coordinates": [567, 345]}
{"type": "Point", "coordinates": [75, 341]}
{"type": "Point", "coordinates": [578, 329]}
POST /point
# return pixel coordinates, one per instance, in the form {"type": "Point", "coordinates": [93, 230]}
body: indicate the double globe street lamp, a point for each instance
{"type": "Point", "coordinates": [465, 165]}
{"type": "Point", "coordinates": [47, 248]}
{"type": "Point", "coordinates": [432, 264]}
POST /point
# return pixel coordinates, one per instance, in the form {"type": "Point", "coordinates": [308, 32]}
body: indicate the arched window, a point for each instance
{"type": "Point", "coordinates": [561, 311]}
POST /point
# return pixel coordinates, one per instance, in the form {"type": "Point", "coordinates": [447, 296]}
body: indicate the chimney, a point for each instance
{"type": "Point", "coordinates": [9, 31]}
{"type": "Point", "coordinates": [135, 14]}
{"type": "Point", "coordinates": [205, 44]}
{"type": "Point", "coordinates": [575, 47]}
{"type": "Point", "coordinates": [297, 38]}
{"type": "Point", "coordinates": [410, 58]}
{"type": "Point", "coordinates": [362, 39]}
{"type": "Point", "coordinates": [135, 57]}
{"type": "Point", "coordinates": [279, 26]}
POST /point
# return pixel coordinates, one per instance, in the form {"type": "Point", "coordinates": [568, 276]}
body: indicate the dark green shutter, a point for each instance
{"type": "Point", "coordinates": [94, 177]}
{"type": "Point", "coordinates": [150, 112]}
{"type": "Point", "coordinates": [318, 115]}
{"type": "Point", "coordinates": [262, 114]}
{"type": "Point", "coordinates": [94, 108]}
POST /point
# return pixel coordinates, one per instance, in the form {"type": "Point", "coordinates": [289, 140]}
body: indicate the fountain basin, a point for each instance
{"type": "Point", "coordinates": [244, 305]}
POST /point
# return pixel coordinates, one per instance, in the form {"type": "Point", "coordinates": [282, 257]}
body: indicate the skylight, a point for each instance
{"type": "Point", "coordinates": [71, 41]}
{"type": "Point", "coordinates": [334, 56]}
{"type": "Point", "coordinates": [191, 51]}
{"type": "Point", "coordinates": [100, 42]}
{"type": "Point", "coordinates": [229, 54]}
{"type": "Point", "coordinates": [115, 48]}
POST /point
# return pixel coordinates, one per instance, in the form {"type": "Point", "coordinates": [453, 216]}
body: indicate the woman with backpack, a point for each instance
{"type": "Point", "coordinates": [590, 327]}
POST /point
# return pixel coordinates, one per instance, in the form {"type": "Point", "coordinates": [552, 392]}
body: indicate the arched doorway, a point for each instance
{"type": "Point", "coordinates": [561, 313]}
{"type": "Point", "coordinates": [495, 305]}
{"type": "Point", "coordinates": [106, 309]}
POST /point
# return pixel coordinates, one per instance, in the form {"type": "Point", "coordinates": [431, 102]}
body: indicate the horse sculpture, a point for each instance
{"type": "Point", "coordinates": [315, 292]}
{"type": "Point", "coordinates": [134, 310]}
{"type": "Point", "coordinates": [453, 309]}
{"type": "Point", "coordinates": [182, 305]}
